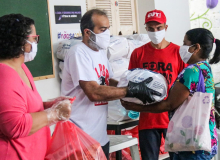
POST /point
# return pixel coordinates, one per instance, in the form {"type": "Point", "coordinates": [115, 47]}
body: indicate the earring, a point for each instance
{"type": "Point", "coordinates": [22, 48]}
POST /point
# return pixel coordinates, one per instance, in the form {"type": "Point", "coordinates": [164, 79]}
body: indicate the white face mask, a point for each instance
{"type": "Point", "coordinates": [30, 56]}
{"type": "Point", "coordinates": [157, 37]}
{"type": "Point", "coordinates": [102, 40]}
{"type": "Point", "coordinates": [184, 53]}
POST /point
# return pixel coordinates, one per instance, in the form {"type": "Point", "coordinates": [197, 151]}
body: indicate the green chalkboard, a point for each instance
{"type": "Point", "coordinates": [42, 66]}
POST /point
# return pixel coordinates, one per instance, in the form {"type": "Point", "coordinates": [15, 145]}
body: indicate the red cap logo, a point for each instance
{"type": "Point", "coordinates": [155, 15]}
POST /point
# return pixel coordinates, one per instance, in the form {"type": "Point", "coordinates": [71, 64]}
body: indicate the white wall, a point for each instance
{"type": "Point", "coordinates": [177, 13]}
{"type": "Point", "coordinates": [143, 6]}
{"type": "Point", "coordinates": [50, 88]}
{"type": "Point", "coordinates": [178, 18]}
{"type": "Point", "coordinates": [211, 21]}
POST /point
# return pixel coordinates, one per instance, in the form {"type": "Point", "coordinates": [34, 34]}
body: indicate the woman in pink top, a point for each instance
{"type": "Point", "coordinates": [24, 118]}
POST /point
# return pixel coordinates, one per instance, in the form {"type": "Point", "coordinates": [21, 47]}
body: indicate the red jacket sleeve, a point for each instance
{"type": "Point", "coordinates": [15, 122]}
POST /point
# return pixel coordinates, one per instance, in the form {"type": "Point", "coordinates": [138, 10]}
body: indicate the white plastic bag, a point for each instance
{"type": "Point", "coordinates": [139, 37]}
{"type": "Point", "coordinates": [116, 112]}
{"type": "Point", "coordinates": [158, 84]}
{"type": "Point", "coordinates": [64, 47]}
{"type": "Point", "coordinates": [136, 41]}
{"type": "Point", "coordinates": [61, 75]}
{"type": "Point", "coordinates": [119, 65]}
{"type": "Point", "coordinates": [61, 65]}
{"type": "Point", "coordinates": [188, 129]}
{"type": "Point", "coordinates": [133, 44]}
{"type": "Point", "coordinates": [118, 48]}
{"type": "Point", "coordinates": [117, 75]}
{"type": "Point", "coordinates": [132, 47]}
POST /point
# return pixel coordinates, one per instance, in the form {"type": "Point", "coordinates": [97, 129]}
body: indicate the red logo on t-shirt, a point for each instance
{"type": "Point", "coordinates": [103, 76]}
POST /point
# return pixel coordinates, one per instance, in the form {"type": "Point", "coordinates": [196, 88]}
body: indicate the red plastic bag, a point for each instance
{"type": "Point", "coordinates": [125, 155]}
{"type": "Point", "coordinates": [71, 143]}
{"type": "Point", "coordinates": [162, 146]}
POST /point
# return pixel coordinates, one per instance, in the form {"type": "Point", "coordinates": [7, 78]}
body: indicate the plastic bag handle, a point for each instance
{"type": "Point", "coordinates": [201, 83]}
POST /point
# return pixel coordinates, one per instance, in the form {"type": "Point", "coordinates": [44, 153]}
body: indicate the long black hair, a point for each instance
{"type": "Point", "coordinates": [206, 39]}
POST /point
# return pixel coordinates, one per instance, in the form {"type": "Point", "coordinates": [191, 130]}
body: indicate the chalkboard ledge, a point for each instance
{"type": "Point", "coordinates": [43, 77]}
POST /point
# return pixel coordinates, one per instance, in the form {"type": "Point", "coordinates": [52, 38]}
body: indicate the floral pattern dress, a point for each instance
{"type": "Point", "coordinates": [189, 77]}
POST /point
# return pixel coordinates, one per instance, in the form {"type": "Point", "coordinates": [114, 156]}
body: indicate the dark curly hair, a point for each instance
{"type": "Point", "coordinates": [14, 29]}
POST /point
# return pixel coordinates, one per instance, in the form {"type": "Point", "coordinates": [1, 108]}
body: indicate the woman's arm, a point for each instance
{"type": "Point", "coordinates": [178, 94]}
{"type": "Point", "coordinates": [39, 121]}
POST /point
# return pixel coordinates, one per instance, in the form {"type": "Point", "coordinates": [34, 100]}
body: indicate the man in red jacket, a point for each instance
{"type": "Point", "coordinates": [163, 57]}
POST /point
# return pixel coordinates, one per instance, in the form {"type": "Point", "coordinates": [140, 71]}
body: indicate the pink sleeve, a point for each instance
{"type": "Point", "coordinates": [15, 122]}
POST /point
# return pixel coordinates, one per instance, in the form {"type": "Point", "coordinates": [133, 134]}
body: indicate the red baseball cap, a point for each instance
{"type": "Point", "coordinates": [155, 15]}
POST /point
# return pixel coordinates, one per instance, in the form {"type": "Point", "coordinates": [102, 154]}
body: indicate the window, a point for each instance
{"type": "Point", "coordinates": [121, 14]}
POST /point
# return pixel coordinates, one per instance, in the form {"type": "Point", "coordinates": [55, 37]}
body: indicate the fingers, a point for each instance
{"type": "Point", "coordinates": [150, 95]}
{"type": "Point", "coordinates": [61, 98]}
{"type": "Point", "coordinates": [151, 99]}
{"type": "Point", "coordinates": [59, 112]}
{"type": "Point", "coordinates": [153, 92]}
{"type": "Point", "coordinates": [64, 112]}
{"type": "Point", "coordinates": [141, 91]}
{"type": "Point", "coordinates": [148, 80]}
{"type": "Point", "coordinates": [132, 85]}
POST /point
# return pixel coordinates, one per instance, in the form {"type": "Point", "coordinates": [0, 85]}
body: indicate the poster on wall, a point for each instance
{"type": "Point", "coordinates": [67, 14]}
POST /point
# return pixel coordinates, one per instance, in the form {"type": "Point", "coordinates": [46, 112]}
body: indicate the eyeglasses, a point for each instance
{"type": "Point", "coordinates": [36, 37]}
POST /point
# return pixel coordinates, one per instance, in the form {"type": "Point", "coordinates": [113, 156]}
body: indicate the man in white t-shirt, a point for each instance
{"type": "Point", "coordinates": [87, 75]}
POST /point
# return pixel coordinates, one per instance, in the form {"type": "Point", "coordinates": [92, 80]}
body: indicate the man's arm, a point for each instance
{"type": "Point", "coordinates": [113, 82]}
{"type": "Point", "coordinates": [177, 96]}
{"type": "Point", "coordinates": [96, 92]}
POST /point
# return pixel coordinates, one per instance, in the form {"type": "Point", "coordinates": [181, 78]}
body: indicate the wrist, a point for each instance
{"type": "Point", "coordinates": [126, 91]}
